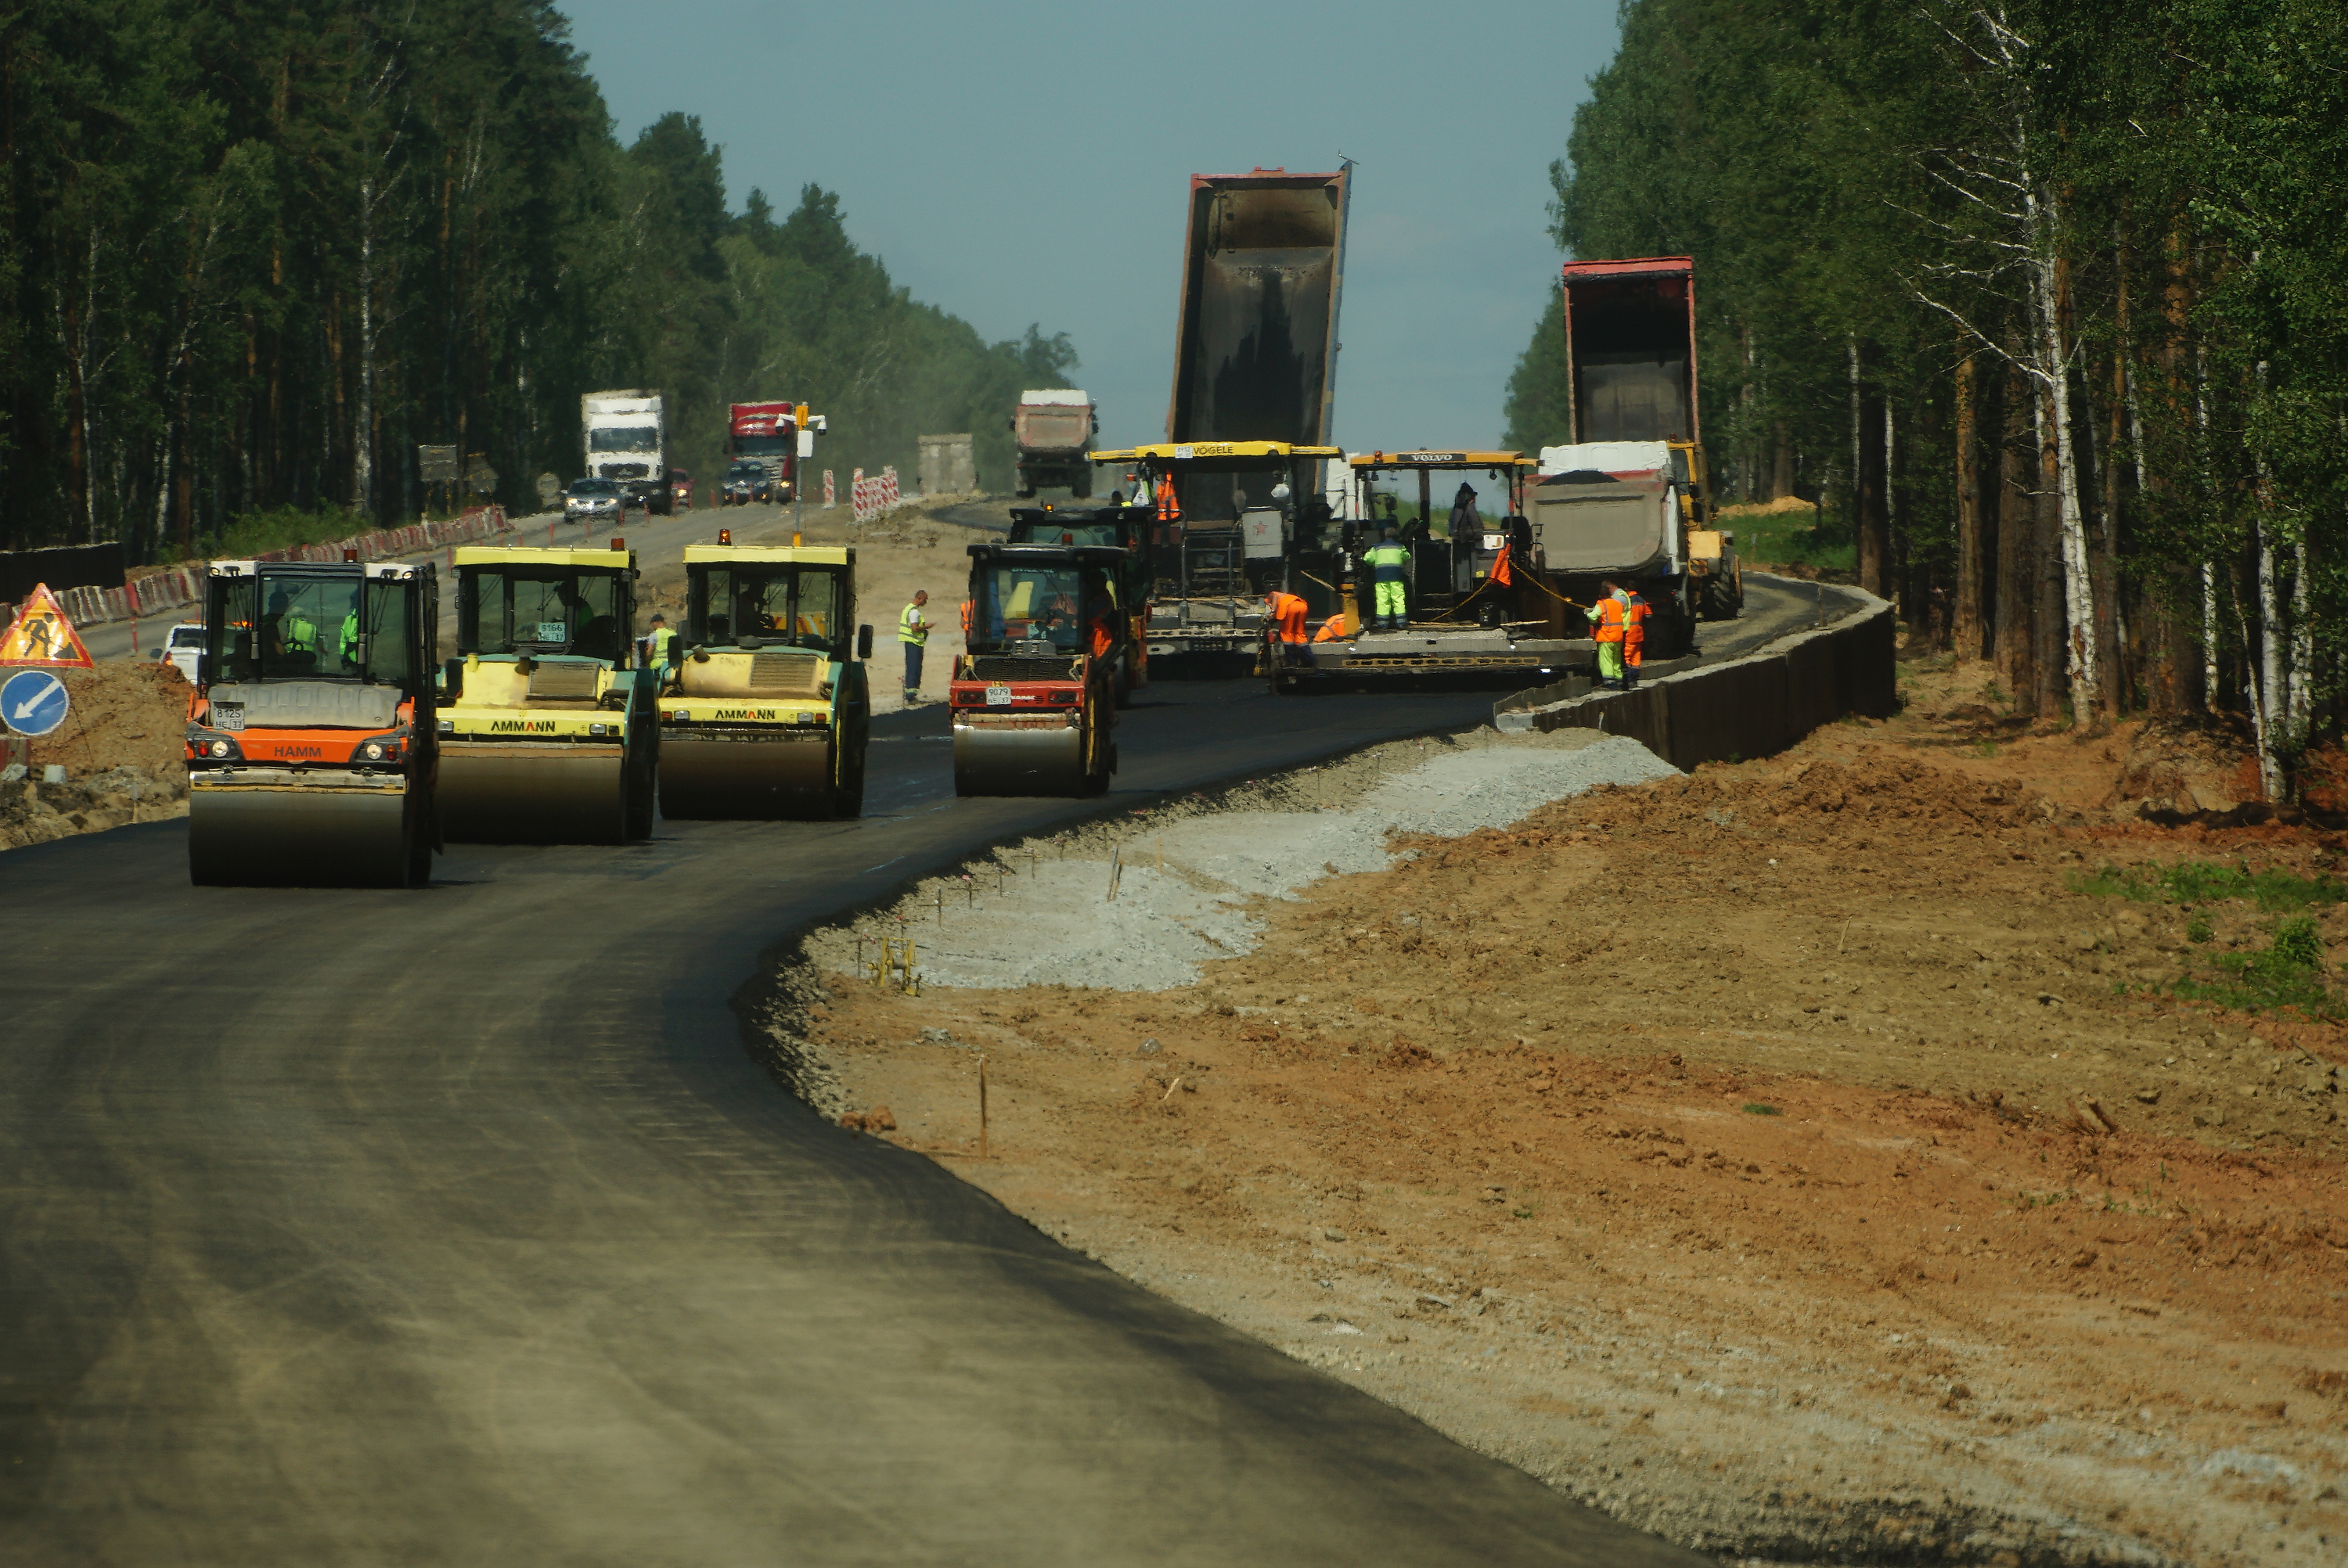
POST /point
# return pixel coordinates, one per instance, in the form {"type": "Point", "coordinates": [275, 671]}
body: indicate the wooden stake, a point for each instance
{"type": "Point", "coordinates": [982, 1108]}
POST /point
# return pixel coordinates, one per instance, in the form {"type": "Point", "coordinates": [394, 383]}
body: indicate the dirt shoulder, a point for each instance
{"type": "Point", "coordinates": [122, 751]}
{"type": "Point", "coordinates": [1785, 1158]}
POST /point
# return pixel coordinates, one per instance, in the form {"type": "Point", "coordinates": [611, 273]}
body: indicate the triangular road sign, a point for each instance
{"type": "Point", "coordinates": [42, 635]}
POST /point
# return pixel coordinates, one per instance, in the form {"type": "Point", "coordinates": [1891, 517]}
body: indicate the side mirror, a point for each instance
{"type": "Point", "coordinates": [864, 643]}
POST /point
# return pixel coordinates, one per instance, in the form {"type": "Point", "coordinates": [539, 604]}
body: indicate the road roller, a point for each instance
{"type": "Point", "coordinates": [764, 711]}
{"type": "Point", "coordinates": [548, 733]}
{"type": "Point", "coordinates": [1034, 699]}
{"type": "Point", "coordinates": [310, 746]}
{"type": "Point", "coordinates": [1127, 528]}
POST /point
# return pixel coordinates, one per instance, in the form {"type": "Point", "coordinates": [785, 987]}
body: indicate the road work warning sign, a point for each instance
{"type": "Point", "coordinates": [42, 635]}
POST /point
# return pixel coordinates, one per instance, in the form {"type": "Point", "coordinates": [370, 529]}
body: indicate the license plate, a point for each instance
{"type": "Point", "coordinates": [998, 696]}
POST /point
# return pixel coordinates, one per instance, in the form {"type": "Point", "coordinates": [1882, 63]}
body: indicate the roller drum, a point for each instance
{"type": "Point", "coordinates": [748, 777]}
{"type": "Point", "coordinates": [522, 793]}
{"type": "Point", "coordinates": [297, 836]}
{"type": "Point", "coordinates": [999, 760]}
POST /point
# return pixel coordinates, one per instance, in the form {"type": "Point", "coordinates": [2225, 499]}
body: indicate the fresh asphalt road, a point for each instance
{"type": "Point", "coordinates": [460, 1226]}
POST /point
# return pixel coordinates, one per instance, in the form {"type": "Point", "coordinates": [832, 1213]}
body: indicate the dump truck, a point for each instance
{"type": "Point", "coordinates": [1126, 528]}
{"type": "Point", "coordinates": [1255, 342]}
{"type": "Point", "coordinates": [1034, 699]}
{"type": "Point", "coordinates": [311, 739]}
{"type": "Point", "coordinates": [766, 711]}
{"type": "Point", "coordinates": [1628, 497]}
{"type": "Point", "coordinates": [625, 434]}
{"type": "Point", "coordinates": [1212, 572]}
{"type": "Point", "coordinates": [766, 434]}
{"type": "Point", "coordinates": [548, 733]}
{"type": "Point", "coordinates": [1054, 428]}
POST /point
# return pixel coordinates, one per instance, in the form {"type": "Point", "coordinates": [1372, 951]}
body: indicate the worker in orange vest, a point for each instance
{"type": "Point", "coordinates": [1607, 616]}
{"type": "Point", "coordinates": [1634, 636]}
{"type": "Point", "coordinates": [1286, 614]}
{"type": "Point", "coordinates": [1169, 509]}
{"type": "Point", "coordinates": [1331, 629]}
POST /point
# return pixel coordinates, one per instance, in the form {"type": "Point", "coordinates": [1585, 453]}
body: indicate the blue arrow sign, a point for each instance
{"type": "Point", "coordinates": [33, 702]}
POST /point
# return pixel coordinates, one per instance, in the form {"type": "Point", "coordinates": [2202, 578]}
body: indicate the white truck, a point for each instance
{"type": "Point", "coordinates": [626, 438]}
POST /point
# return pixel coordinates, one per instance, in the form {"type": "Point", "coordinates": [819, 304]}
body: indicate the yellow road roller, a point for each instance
{"type": "Point", "coordinates": [764, 711]}
{"type": "Point", "coordinates": [309, 738]}
{"type": "Point", "coordinates": [1035, 699]}
{"type": "Point", "coordinates": [548, 733]}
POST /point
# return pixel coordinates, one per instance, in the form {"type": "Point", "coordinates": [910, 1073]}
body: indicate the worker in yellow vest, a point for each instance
{"type": "Point", "coordinates": [913, 632]}
{"type": "Point", "coordinates": [1389, 564]}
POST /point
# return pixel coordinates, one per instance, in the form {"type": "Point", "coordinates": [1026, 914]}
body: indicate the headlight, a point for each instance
{"type": "Point", "coordinates": [596, 729]}
{"type": "Point", "coordinates": [219, 748]}
{"type": "Point", "coordinates": [447, 726]}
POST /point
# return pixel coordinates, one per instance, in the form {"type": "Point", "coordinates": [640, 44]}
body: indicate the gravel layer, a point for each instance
{"type": "Point", "coordinates": [1182, 894]}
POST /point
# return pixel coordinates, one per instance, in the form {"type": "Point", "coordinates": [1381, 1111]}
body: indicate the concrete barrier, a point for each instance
{"type": "Point", "coordinates": [1748, 707]}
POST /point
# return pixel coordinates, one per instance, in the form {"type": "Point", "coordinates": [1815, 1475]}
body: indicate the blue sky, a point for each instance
{"type": "Point", "coordinates": [1029, 160]}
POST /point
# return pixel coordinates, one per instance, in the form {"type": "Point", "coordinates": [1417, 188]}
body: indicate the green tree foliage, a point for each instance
{"type": "Point", "coordinates": [2072, 287]}
{"type": "Point", "coordinates": [256, 256]}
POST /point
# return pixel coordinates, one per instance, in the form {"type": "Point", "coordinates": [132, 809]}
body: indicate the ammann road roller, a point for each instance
{"type": "Point", "coordinates": [764, 711]}
{"type": "Point", "coordinates": [1035, 699]}
{"type": "Point", "coordinates": [548, 734]}
{"type": "Point", "coordinates": [311, 745]}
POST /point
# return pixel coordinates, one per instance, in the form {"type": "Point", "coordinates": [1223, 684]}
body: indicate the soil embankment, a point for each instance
{"type": "Point", "coordinates": [122, 751]}
{"type": "Point", "coordinates": [1808, 1159]}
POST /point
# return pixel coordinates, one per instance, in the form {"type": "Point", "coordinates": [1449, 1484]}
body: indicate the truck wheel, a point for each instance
{"type": "Point", "coordinates": [1081, 486]}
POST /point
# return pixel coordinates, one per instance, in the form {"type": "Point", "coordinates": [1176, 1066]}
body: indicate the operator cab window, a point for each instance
{"type": "Point", "coordinates": [789, 605]}
{"type": "Point", "coordinates": [540, 610]}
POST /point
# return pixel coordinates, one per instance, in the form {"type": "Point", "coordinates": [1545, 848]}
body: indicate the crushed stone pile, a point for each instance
{"type": "Point", "coordinates": [1055, 924]}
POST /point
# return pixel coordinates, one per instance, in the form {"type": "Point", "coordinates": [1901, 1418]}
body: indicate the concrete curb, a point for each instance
{"type": "Point", "coordinates": [1750, 707]}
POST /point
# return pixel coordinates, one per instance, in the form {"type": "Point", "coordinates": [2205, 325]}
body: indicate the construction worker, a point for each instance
{"type": "Point", "coordinates": [296, 632]}
{"type": "Point", "coordinates": [1170, 509]}
{"type": "Point", "coordinates": [349, 640]}
{"type": "Point", "coordinates": [1331, 629]}
{"type": "Point", "coordinates": [1100, 618]}
{"type": "Point", "coordinates": [1634, 636]}
{"type": "Point", "coordinates": [913, 631]}
{"type": "Point", "coordinates": [1389, 564]}
{"type": "Point", "coordinates": [1464, 523]}
{"type": "Point", "coordinates": [1288, 612]}
{"type": "Point", "coordinates": [656, 643]}
{"type": "Point", "coordinates": [1607, 616]}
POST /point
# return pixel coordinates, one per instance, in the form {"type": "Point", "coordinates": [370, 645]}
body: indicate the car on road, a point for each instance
{"type": "Point", "coordinates": [680, 490]}
{"type": "Point", "coordinates": [746, 480]}
{"type": "Point", "coordinates": [589, 499]}
{"type": "Point", "coordinates": [180, 647]}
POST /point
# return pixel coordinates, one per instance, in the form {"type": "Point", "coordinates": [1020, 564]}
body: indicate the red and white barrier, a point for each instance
{"type": "Point", "coordinates": [175, 586]}
{"type": "Point", "coordinates": [875, 497]}
{"type": "Point", "coordinates": [830, 498]}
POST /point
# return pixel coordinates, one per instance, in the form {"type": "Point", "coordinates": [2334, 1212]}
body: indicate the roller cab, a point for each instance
{"type": "Point", "coordinates": [1035, 699]}
{"type": "Point", "coordinates": [764, 710]}
{"type": "Point", "coordinates": [548, 733]}
{"type": "Point", "coordinates": [1126, 528]}
{"type": "Point", "coordinates": [311, 745]}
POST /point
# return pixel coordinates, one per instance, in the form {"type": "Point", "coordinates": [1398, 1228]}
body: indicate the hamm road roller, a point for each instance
{"type": "Point", "coordinates": [1034, 698]}
{"type": "Point", "coordinates": [547, 735]}
{"type": "Point", "coordinates": [765, 712]}
{"type": "Point", "coordinates": [311, 754]}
